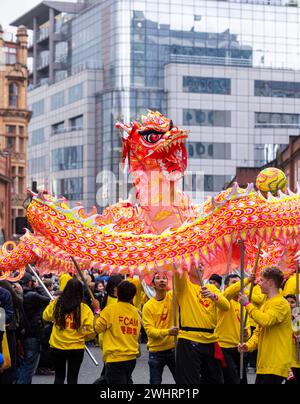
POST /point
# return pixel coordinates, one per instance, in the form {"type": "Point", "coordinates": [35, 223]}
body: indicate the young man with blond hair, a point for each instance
{"type": "Point", "coordinates": [273, 334]}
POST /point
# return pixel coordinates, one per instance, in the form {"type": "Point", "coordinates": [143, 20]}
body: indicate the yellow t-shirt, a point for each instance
{"type": "Point", "coordinates": [137, 300]}
{"type": "Point", "coordinates": [196, 311]}
{"type": "Point", "coordinates": [272, 337]}
{"type": "Point", "coordinates": [120, 324]}
{"type": "Point", "coordinates": [258, 299]}
{"type": "Point", "coordinates": [110, 300]}
{"type": "Point", "coordinates": [290, 286]}
{"type": "Point", "coordinates": [157, 320]}
{"type": "Point", "coordinates": [70, 338]}
{"type": "Point", "coordinates": [228, 325]}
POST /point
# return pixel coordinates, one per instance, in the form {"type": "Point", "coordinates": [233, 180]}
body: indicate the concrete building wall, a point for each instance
{"type": "Point", "coordinates": [40, 154]}
{"type": "Point", "coordinates": [243, 136]}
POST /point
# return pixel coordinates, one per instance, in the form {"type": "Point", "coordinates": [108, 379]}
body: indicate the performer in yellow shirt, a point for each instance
{"type": "Point", "coordinates": [294, 378]}
{"type": "Point", "coordinates": [197, 349]}
{"type": "Point", "coordinates": [73, 325]}
{"type": "Point", "coordinates": [228, 330]}
{"type": "Point", "coordinates": [121, 326]}
{"type": "Point", "coordinates": [158, 323]}
{"type": "Point", "coordinates": [273, 335]}
{"type": "Point", "coordinates": [290, 285]}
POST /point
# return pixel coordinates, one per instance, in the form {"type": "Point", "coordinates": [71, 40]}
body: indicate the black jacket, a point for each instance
{"type": "Point", "coordinates": [7, 304]}
{"type": "Point", "coordinates": [34, 302]}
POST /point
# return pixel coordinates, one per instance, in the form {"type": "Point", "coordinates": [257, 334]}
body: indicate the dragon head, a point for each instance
{"type": "Point", "coordinates": [155, 144]}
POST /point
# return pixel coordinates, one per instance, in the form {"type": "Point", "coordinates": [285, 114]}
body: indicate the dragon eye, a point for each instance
{"type": "Point", "coordinates": [153, 138]}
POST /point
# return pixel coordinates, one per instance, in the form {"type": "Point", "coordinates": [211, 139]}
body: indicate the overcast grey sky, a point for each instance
{"type": "Point", "coordinates": [15, 8]}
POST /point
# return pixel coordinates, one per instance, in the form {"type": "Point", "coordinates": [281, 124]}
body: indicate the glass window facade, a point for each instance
{"type": "Point", "coordinates": [283, 89]}
{"type": "Point", "coordinates": [76, 123]}
{"type": "Point", "coordinates": [276, 120]}
{"type": "Point", "coordinates": [10, 55]}
{"type": "Point", "coordinates": [37, 108]}
{"type": "Point", "coordinates": [206, 150]}
{"type": "Point", "coordinates": [70, 188]}
{"type": "Point", "coordinates": [75, 93]}
{"type": "Point", "coordinates": [37, 165]}
{"type": "Point", "coordinates": [230, 70]}
{"type": "Point", "coordinates": [57, 100]}
{"type": "Point", "coordinates": [67, 158]}
{"type": "Point", "coordinates": [205, 85]}
{"type": "Point", "coordinates": [206, 183]}
{"type": "Point", "coordinates": [58, 128]}
{"type": "Point", "coordinates": [13, 90]}
{"type": "Point", "coordinates": [265, 153]}
{"type": "Point", "coordinates": [202, 117]}
{"type": "Point", "coordinates": [215, 183]}
{"type": "Point", "coordinates": [11, 129]}
{"type": "Point", "coordinates": [37, 137]}
{"type": "Point", "coordinates": [86, 46]}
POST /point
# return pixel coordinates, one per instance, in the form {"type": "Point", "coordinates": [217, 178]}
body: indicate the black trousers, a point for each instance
{"type": "Point", "coordinates": [157, 361]}
{"type": "Point", "coordinates": [269, 379]}
{"type": "Point", "coordinates": [231, 373]}
{"type": "Point", "coordinates": [119, 372]}
{"type": "Point", "coordinates": [71, 358]}
{"type": "Point", "coordinates": [196, 364]}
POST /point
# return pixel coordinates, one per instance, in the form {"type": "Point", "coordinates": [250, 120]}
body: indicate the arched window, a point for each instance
{"type": "Point", "coordinates": [13, 94]}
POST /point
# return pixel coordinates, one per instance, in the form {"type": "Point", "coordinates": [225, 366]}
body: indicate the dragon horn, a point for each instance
{"type": "Point", "coordinates": [30, 192]}
{"type": "Point", "coordinates": [121, 125]}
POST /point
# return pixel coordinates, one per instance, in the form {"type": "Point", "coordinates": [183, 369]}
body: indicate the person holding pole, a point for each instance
{"type": "Point", "coordinates": [228, 330]}
{"type": "Point", "coordinates": [197, 354]}
{"type": "Point", "coordinates": [159, 327]}
{"type": "Point", "coordinates": [273, 335]}
{"type": "Point", "coordinates": [73, 325]}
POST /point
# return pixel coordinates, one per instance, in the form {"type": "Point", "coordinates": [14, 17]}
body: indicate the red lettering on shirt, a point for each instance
{"type": "Point", "coordinates": [70, 325]}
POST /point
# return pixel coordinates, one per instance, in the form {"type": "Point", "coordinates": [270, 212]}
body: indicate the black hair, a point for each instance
{"type": "Point", "coordinates": [98, 282]}
{"type": "Point", "coordinates": [15, 298]}
{"type": "Point", "coordinates": [275, 274]}
{"type": "Point", "coordinates": [231, 276]}
{"type": "Point", "coordinates": [155, 276]}
{"type": "Point", "coordinates": [126, 291]}
{"type": "Point", "coordinates": [112, 283]}
{"type": "Point", "coordinates": [290, 296]}
{"type": "Point", "coordinates": [69, 302]}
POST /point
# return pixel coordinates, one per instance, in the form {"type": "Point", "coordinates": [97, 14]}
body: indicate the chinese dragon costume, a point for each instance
{"type": "Point", "coordinates": [164, 229]}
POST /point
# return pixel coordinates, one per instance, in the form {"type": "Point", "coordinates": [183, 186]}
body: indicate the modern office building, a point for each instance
{"type": "Point", "coordinates": [226, 70]}
{"type": "Point", "coordinates": [14, 119]}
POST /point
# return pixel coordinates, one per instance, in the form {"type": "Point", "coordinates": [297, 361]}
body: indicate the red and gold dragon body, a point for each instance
{"type": "Point", "coordinates": [164, 229]}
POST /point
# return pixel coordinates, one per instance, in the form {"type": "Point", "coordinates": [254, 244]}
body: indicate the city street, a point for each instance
{"type": "Point", "coordinates": [89, 372]}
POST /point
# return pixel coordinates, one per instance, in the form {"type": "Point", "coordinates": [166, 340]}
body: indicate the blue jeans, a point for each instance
{"type": "Point", "coordinates": [29, 363]}
{"type": "Point", "coordinates": [157, 362]}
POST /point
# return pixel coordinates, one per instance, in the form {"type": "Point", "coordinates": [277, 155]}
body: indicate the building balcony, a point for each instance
{"type": "Point", "coordinates": [43, 63]}
{"type": "Point", "coordinates": [43, 35]}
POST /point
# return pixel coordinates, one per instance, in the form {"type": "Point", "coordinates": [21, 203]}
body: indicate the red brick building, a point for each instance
{"type": "Point", "coordinates": [14, 119]}
{"type": "Point", "coordinates": [288, 161]}
{"type": "Point", "coordinates": [5, 197]}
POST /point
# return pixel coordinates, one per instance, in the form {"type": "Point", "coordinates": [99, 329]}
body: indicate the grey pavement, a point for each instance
{"type": "Point", "coordinates": [89, 372]}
